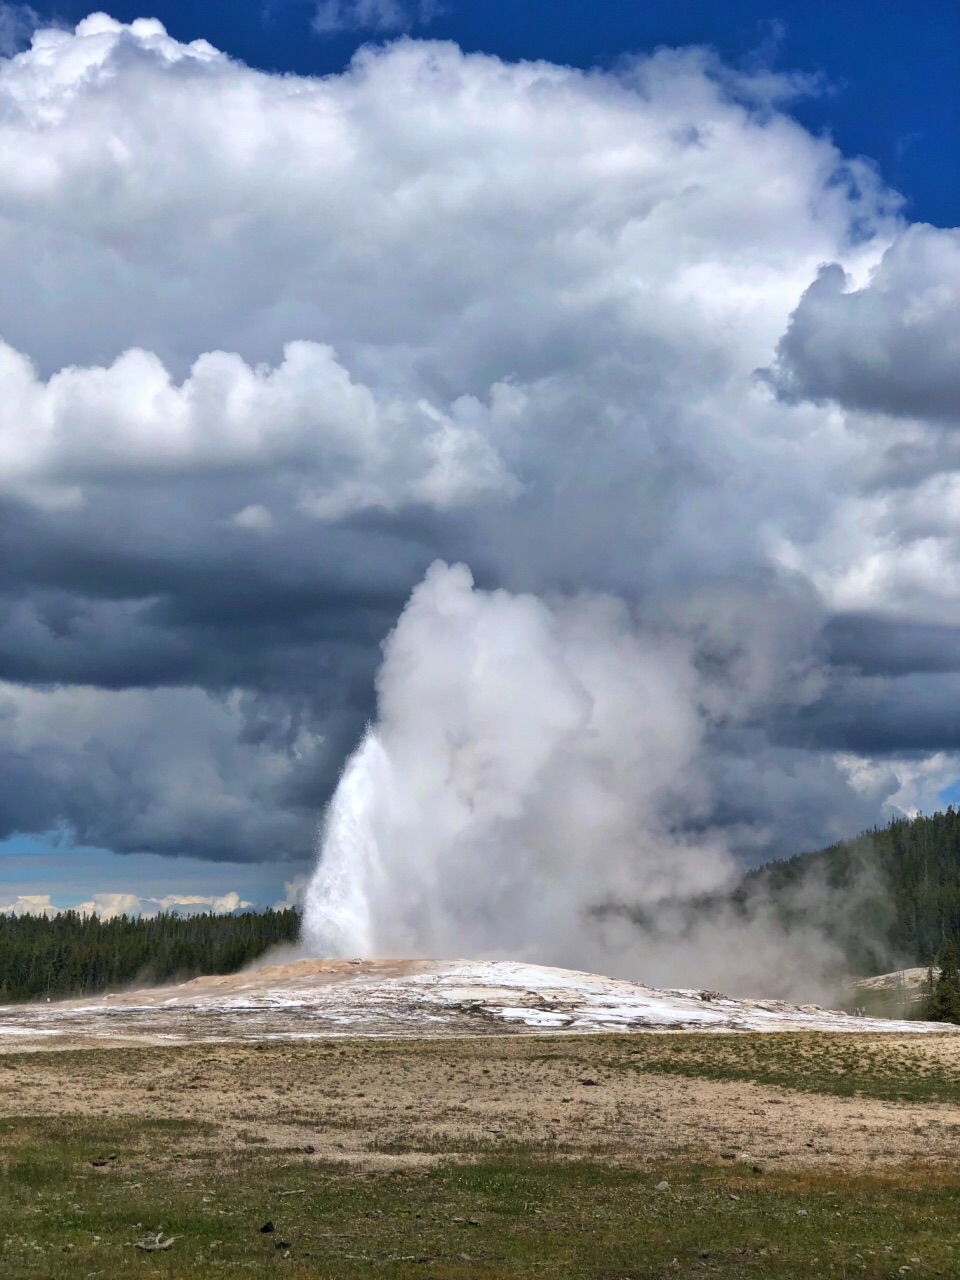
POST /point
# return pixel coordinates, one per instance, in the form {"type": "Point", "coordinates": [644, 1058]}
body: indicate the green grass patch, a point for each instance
{"type": "Point", "coordinates": [76, 1195]}
{"type": "Point", "coordinates": [846, 1065]}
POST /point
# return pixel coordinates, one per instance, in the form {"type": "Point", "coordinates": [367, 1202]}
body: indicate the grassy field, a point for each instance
{"type": "Point", "coordinates": [77, 1197]}
{"type": "Point", "coordinates": [209, 1146]}
{"type": "Point", "coordinates": [845, 1066]}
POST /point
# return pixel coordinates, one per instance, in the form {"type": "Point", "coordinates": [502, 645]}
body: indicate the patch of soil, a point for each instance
{"type": "Point", "coordinates": [373, 1103]}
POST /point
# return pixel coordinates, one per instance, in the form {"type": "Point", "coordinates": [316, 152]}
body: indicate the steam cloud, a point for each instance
{"type": "Point", "coordinates": [534, 765]}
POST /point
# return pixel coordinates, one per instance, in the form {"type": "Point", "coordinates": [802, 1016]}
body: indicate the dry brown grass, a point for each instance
{"type": "Point", "coordinates": [804, 1101]}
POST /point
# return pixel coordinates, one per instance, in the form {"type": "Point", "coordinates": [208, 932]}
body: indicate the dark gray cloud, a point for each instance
{"type": "Point", "coordinates": [892, 346]}
{"type": "Point", "coordinates": [789, 798]}
{"type": "Point", "coordinates": [161, 771]}
{"type": "Point", "coordinates": [874, 645]}
{"type": "Point", "coordinates": [882, 715]}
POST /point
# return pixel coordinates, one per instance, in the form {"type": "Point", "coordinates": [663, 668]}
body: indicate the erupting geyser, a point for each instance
{"type": "Point", "coordinates": [521, 771]}
{"type": "Point", "coordinates": [533, 761]}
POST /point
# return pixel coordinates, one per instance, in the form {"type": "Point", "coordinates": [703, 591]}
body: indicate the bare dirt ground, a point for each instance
{"type": "Point", "coordinates": [382, 1103]}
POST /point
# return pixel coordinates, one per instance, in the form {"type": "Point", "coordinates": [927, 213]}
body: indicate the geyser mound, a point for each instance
{"type": "Point", "coordinates": [406, 998]}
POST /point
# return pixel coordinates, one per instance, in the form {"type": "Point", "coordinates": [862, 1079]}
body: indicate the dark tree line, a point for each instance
{"type": "Point", "coordinates": [890, 898]}
{"type": "Point", "coordinates": [70, 954]}
{"type": "Point", "coordinates": [892, 894]}
{"type": "Point", "coordinates": [942, 1002]}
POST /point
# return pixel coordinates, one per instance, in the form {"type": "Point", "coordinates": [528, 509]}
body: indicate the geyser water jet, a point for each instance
{"type": "Point", "coordinates": [337, 903]}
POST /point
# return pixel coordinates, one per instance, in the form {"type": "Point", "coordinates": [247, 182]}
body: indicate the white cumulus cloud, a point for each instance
{"type": "Point", "coordinates": [108, 906]}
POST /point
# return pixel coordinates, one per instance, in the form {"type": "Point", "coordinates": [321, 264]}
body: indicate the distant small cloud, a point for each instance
{"type": "Point", "coordinates": [255, 518]}
{"type": "Point", "coordinates": [905, 141]}
{"type": "Point", "coordinates": [190, 903]}
{"type": "Point", "coordinates": [333, 16]}
{"type": "Point", "coordinates": [772, 34]}
{"type": "Point", "coordinates": [17, 24]}
{"type": "Point", "coordinates": [293, 893]}
{"type": "Point", "coordinates": [29, 904]}
{"type": "Point", "coordinates": [109, 905]}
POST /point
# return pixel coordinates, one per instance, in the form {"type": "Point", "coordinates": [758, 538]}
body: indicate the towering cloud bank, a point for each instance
{"type": "Point", "coordinates": [648, 357]}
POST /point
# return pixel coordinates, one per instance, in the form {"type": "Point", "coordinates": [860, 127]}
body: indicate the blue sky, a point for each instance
{"type": "Point", "coordinates": [69, 875]}
{"type": "Point", "coordinates": [141, 588]}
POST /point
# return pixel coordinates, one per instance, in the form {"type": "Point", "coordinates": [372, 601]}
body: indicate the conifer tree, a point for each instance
{"type": "Point", "coordinates": [944, 1002]}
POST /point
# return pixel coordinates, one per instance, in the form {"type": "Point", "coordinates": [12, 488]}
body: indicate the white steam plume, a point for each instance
{"type": "Point", "coordinates": [531, 761]}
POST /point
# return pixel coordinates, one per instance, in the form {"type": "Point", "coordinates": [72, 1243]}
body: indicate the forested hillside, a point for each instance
{"type": "Point", "coordinates": [72, 954]}
{"type": "Point", "coordinates": [890, 897]}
